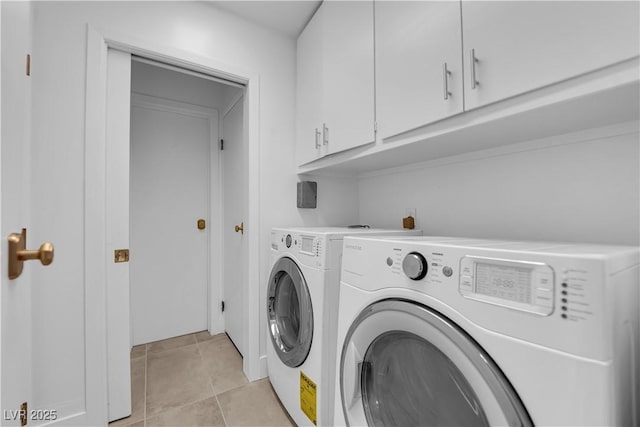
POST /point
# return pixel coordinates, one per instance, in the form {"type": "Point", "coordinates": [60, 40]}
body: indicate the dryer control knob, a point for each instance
{"type": "Point", "coordinates": [414, 266]}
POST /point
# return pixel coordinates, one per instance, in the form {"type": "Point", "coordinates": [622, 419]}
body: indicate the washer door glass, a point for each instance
{"type": "Point", "coordinates": [290, 313]}
{"type": "Point", "coordinates": [403, 364]}
{"type": "Point", "coordinates": [407, 381]}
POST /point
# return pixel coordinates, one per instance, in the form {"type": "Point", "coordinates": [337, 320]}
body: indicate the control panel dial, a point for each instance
{"type": "Point", "coordinates": [415, 266]}
{"type": "Point", "coordinates": [288, 240]}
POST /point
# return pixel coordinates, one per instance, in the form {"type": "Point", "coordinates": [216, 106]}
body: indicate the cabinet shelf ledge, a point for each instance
{"type": "Point", "coordinates": [605, 97]}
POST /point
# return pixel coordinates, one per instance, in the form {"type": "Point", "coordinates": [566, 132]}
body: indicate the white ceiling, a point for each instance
{"type": "Point", "coordinates": [286, 16]}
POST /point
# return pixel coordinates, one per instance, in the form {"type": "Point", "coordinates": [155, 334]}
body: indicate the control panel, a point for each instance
{"type": "Point", "coordinates": [308, 248]}
{"type": "Point", "coordinates": [308, 245]}
{"type": "Point", "coordinates": [526, 286]}
{"type": "Point", "coordinates": [563, 296]}
{"type": "Point", "coordinates": [519, 285]}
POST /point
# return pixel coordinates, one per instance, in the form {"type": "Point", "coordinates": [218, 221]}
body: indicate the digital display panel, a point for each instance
{"type": "Point", "coordinates": [511, 283]}
{"type": "Point", "coordinates": [307, 244]}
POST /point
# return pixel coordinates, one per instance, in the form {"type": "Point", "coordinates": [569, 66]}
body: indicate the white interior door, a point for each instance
{"type": "Point", "coordinates": [15, 295]}
{"type": "Point", "coordinates": [117, 233]}
{"type": "Point", "coordinates": [414, 41]}
{"type": "Point", "coordinates": [53, 340]}
{"type": "Point", "coordinates": [170, 192]}
{"type": "Point", "coordinates": [233, 214]}
{"type": "Point", "coordinates": [522, 46]}
{"type": "Point", "coordinates": [348, 74]}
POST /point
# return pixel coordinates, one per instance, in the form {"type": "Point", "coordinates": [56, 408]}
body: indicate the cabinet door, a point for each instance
{"type": "Point", "coordinates": [309, 91]}
{"type": "Point", "coordinates": [348, 73]}
{"type": "Point", "coordinates": [524, 45]}
{"type": "Point", "coordinates": [414, 39]}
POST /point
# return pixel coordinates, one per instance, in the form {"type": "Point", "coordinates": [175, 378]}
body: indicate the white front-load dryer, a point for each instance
{"type": "Point", "coordinates": [302, 310]}
{"type": "Point", "coordinates": [447, 331]}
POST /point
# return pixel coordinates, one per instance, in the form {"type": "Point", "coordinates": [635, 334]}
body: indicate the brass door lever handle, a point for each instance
{"type": "Point", "coordinates": [18, 253]}
{"type": "Point", "coordinates": [240, 228]}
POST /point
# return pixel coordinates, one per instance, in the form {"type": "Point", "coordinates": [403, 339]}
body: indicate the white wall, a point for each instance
{"type": "Point", "coordinates": [583, 187]}
{"type": "Point", "coordinates": [58, 132]}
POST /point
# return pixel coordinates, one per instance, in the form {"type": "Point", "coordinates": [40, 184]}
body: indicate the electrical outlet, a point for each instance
{"type": "Point", "coordinates": [409, 221]}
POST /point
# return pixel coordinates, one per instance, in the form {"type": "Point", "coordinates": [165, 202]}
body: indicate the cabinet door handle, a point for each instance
{"type": "Point", "coordinates": [317, 138]}
{"type": "Point", "coordinates": [325, 134]}
{"type": "Point", "coordinates": [473, 61]}
{"type": "Point", "coordinates": [445, 81]}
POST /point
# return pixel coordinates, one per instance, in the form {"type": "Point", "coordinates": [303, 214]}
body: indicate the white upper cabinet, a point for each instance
{"type": "Point", "coordinates": [520, 46]}
{"type": "Point", "coordinates": [309, 92]}
{"type": "Point", "coordinates": [437, 62]}
{"type": "Point", "coordinates": [335, 80]}
{"type": "Point", "coordinates": [348, 74]}
{"type": "Point", "coordinates": [418, 63]}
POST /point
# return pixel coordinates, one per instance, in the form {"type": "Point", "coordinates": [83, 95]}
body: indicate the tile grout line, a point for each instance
{"type": "Point", "coordinates": [195, 342]}
{"type": "Point", "coordinates": [177, 408]}
{"type": "Point", "coordinates": [213, 389]}
{"type": "Point", "coordinates": [224, 419]}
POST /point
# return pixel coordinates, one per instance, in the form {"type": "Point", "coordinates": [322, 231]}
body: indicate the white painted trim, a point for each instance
{"type": "Point", "coordinates": [2, 279]}
{"type": "Point", "coordinates": [215, 318]}
{"type": "Point", "coordinates": [94, 171]}
{"type": "Point", "coordinates": [263, 364]}
{"type": "Point", "coordinates": [217, 247]}
{"type": "Point", "coordinates": [233, 103]}
{"type": "Point", "coordinates": [167, 105]}
{"type": "Point", "coordinates": [184, 71]}
{"type": "Point", "coordinates": [177, 57]}
{"type": "Point", "coordinates": [95, 239]}
{"type": "Point", "coordinates": [251, 361]}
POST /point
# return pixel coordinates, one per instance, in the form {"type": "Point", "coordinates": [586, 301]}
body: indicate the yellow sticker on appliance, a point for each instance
{"type": "Point", "coordinates": [308, 392]}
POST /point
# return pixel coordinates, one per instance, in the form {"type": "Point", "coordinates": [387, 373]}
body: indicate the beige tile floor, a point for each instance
{"type": "Point", "coordinates": [197, 380]}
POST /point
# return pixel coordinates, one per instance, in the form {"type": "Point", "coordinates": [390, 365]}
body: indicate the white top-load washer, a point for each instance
{"type": "Point", "coordinates": [302, 310]}
{"type": "Point", "coordinates": [448, 331]}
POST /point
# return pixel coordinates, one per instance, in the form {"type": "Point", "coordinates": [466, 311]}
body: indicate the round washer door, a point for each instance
{"type": "Point", "coordinates": [404, 364]}
{"type": "Point", "coordinates": [290, 313]}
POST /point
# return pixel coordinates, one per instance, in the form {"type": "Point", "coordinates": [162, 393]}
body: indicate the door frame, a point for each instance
{"type": "Point", "coordinates": [98, 41]}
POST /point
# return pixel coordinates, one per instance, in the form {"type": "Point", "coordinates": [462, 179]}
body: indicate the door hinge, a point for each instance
{"type": "Point", "coordinates": [375, 127]}
{"type": "Point", "coordinates": [23, 414]}
{"type": "Point", "coordinates": [222, 304]}
{"type": "Point", "coordinates": [222, 145]}
{"type": "Point", "coordinates": [28, 64]}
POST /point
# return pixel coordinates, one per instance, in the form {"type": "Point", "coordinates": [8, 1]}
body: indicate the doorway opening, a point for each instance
{"type": "Point", "coordinates": [181, 162]}
{"type": "Point", "coordinates": [179, 123]}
